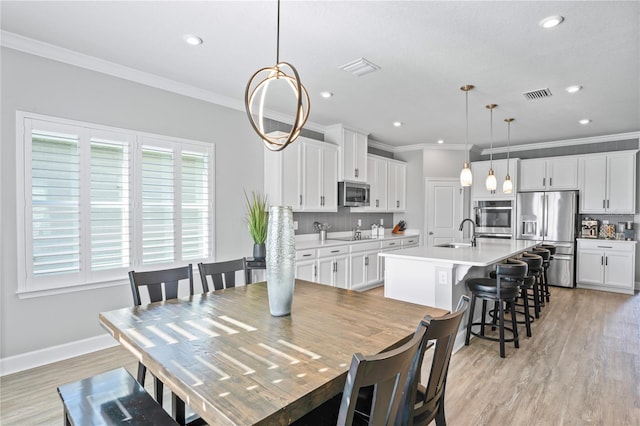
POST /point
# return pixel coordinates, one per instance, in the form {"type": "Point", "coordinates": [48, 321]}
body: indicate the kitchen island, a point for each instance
{"type": "Point", "coordinates": [434, 276]}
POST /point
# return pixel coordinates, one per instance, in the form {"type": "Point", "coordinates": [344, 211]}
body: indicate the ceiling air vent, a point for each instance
{"type": "Point", "coordinates": [359, 67]}
{"type": "Point", "coordinates": [537, 94]}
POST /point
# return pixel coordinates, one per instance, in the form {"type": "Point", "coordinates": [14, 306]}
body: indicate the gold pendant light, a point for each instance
{"type": "Point", "coordinates": [257, 89]}
{"type": "Point", "coordinates": [466, 178]}
{"type": "Point", "coordinates": [491, 182]}
{"type": "Point", "coordinates": [507, 186]}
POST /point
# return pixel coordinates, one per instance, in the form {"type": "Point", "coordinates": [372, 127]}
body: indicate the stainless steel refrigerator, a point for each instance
{"type": "Point", "coordinates": [551, 217]}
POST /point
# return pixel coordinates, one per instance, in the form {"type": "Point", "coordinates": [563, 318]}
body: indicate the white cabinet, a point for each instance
{"type": "Point", "coordinates": [353, 152]}
{"type": "Point", "coordinates": [377, 171]}
{"type": "Point", "coordinates": [606, 265]}
{"type": "Point", "coordinates": [397, 187]}
{"type": "Point", "coordinates": [480, 170]}
{"type": "Point", "coordinates": [307, 265]}
{"type": "Point", "coordinates": [549, 174]}
{"type": "Point", "coordinates": [363, 265]}
{"type": "Point", "coordinates": [333, 266]}
{"type": "Point", "coordinates": [608, 183]}
{"type": "Point", "coordinates": [304, 176]}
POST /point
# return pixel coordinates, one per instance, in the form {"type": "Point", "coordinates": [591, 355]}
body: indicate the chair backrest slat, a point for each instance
{"type": "Point", "coordinates": [155, 281]}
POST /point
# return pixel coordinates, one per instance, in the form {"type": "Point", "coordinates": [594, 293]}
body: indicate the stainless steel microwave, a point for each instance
{"type": "Point", "coordinates": [353, 194]}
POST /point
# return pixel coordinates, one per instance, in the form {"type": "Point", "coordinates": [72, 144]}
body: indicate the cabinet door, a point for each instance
{"type": "Point", "coordinates": [621, 184]}
{"type": "Point", "coordinates": [532, 175]}
{"type": "Point", "coordinates": [618, 269]}
{"type": "Point", "coordinates": [361, 148]}
{"type": "Point", "coordinates": [479, 171]}
{"type": "Point", "coordinates": [358, 270]}
{"type": "Point", "coordinates": [341, 272]}
{"type": "Point", "coordinates": [349, 162]}
{"type": "Point", "coordinates": [377, 178]}
{"type": "Point", "coordinates": [312, 177]}
{"type": "Point", "coordinates": [396, 200]}
{"type": "Point", "coordinates": [325, 271]}
{"type": "Point", "coordinates": [590, 266]}
{"type": "Point", "coordinates": [372, 267]}
{"type": "Point", "coordinates": [329, 179]}
{"type": "Point", "coordinates": [306, 270]}
{"type": "Point", "coordinates": [562, 173]}
{"type": "Point", "coordinates": [292, 177]}
{"type": "Point", "coordinates": [593, 185]}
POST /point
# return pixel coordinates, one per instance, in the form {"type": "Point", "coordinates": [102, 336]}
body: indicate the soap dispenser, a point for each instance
{"type": "Point", "coordinates": [374, 230]}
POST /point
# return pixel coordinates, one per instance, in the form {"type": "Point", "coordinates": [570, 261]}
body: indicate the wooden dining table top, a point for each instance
{"type": "Point", "coordinates": [235, 364]}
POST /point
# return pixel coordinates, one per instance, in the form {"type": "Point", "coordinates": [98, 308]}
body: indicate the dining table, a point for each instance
{"type": "Point", "coordinates": [233, 363]}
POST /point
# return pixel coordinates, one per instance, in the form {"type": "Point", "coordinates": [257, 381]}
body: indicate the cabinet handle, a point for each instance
{"type": "Point", "coordinates": [606, 260]}
{"type": "Point", "coordinates": [306, 255]}
{"type": "Point", "coordinates": [300, 199]}
{"type": "Point", "coordinates": [544, 181]}
{"type": "Point", "coordinates": [335, 266]}
{"type": "Point", "coordinates": [604, 204]}
{"type": "Point", "coordinates": [335, 251]}
{"type": "Point", "coordinates": [392, 244]}
{"type": "Point", "coordinates": [315, 271]}
{"type": "Point", "coordinates": [607, 203]}
{"type": "Point", "coordinates": [601, 260]}
{"type": "Point", "coordinates": [550, 181]}
{"type": "Point", "coordinates": [398, 204]}
{"type": "Point", "coordinates": [366, 260]}
{"type": "Point", "coordinates": [355, 172]}
{"type": "Point", "coordinates": [605, 247]}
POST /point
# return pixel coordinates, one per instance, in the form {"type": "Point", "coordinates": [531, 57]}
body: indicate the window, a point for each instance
{"type": "Point", "coordinates": [101, 201]}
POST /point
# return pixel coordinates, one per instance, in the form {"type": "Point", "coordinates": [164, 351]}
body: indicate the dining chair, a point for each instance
{"type": "Point", "coordinates": [160, 285]}
{"type": "Point", "coordinates": [386, 374]}
{"type": "Point", "coordinates": [223, 274]}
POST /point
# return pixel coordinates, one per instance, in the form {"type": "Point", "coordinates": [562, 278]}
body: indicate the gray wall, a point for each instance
{"type": "Point", "coordinates": [35, 84]}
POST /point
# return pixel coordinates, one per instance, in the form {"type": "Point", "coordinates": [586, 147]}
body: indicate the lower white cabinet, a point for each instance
{"type": "Point", "coordinates": [606, 265]}
{"type": "Point", "coordinates": [363, 264]}
{"type": "Point", "coordinates": [333, 266]}
{"type": "Point", "coordinates": [307, 265]}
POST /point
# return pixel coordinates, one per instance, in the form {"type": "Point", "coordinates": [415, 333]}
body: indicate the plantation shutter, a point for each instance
{"type": "Point", "coordinates": [55, 203]}
{"type": "Point", "coordinates": [195, 205]}
{"type": "Point", "coordinates": [158, 211]}
{"type": "Point", "coordinates": [110, 204]}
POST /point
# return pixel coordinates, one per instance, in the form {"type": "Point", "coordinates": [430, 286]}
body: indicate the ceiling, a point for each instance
{"type": "Point", "coordinates": [426, 50]}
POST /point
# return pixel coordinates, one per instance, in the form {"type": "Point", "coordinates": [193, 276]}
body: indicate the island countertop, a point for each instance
{"type": "Point", "coordinates": [487, 252]}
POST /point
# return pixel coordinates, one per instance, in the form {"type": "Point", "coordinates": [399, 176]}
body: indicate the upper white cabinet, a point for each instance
{"type": "Point", "coordinates": [549, 174]}
{"type": "Point", "coordinates": [608, 183]}
{"type": "Point", "coordinates": [480, 170]}
{"type": "Point", "coordinates": [353, 152]}
{"type": "Point", "coordinates": [304, 175]}
{"type": "Point", "coordinates": [397, 187]}
{"type": "Point", "coordinates": [377, 171]}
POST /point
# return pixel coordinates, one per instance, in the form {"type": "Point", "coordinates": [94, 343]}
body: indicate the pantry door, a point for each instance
{"type": "Point", "coordinates": [443, 209]}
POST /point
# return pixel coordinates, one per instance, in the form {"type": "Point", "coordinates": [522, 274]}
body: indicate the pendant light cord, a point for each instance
{"type": "Point", "coordinates": [278, 36]}
{"type": "Point", "coordinates": [508, 143]}
{"type": "Point", "coordinates": [466, 144]}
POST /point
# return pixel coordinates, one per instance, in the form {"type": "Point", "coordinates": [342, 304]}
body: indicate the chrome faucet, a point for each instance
{"type": "Point", "coordinates": [473, 230]}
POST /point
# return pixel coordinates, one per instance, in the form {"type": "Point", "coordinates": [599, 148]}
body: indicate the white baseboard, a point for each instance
{"type": "Point", "coordinates": [25, 361]}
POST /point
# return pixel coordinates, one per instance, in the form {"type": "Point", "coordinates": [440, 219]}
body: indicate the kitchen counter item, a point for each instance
{"type": "Point", "coordinates": [608, 232]}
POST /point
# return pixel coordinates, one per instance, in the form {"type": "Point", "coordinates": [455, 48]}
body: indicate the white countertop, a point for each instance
{"type": "Point", "coordinates": [487, 252]}
{"type": "Point", "coordinates": [310, 241]}
{"type": "Point", "coordinates": [602, 240]}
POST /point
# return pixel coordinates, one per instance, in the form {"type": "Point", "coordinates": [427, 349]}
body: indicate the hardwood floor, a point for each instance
{"type": "Point", "coordinates": [582, 366]}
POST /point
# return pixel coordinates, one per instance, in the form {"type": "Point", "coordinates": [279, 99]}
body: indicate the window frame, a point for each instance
{"type": "Point", "coordinates": [27, 286]}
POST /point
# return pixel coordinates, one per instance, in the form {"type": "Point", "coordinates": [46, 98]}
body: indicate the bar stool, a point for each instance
{"type": "Point", "coordinates": [534, 268]}
{"type": "Point", "coordinates": [543, 285]}
{"type": "Point", "coordinates": [505, 288]}
{"type": "Point", "coordinates": [552, 250]}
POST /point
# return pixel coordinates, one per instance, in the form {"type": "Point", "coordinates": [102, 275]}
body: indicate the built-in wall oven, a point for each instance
{"type": "Point", "coordinates": [494, 218]}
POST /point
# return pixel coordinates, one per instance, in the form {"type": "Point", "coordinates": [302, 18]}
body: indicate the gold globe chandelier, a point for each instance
{"type": "Point", "coordinates": [256, 92]}
{"type": "Point", "coordinates": [507, 186]}
{"type": "Point", "coordinates": [466, 178]}
{"type": "Point", "coordinates": [491, 182]}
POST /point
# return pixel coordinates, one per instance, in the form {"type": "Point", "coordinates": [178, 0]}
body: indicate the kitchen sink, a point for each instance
{"type": "Point", "coordinates": [454, 245]}
{"type": "Point", "coordinates": [349, 239]}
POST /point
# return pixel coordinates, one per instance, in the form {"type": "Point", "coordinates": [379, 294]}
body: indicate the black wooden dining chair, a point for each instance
{"type": "Point", "coordinates": [387, 373]}
{"type": "Point", "coordinates": [161, 285]}
{"type": "Point", "coordinates": [223, 274]}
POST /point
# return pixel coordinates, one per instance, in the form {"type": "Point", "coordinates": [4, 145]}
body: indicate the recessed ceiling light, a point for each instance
{"type": "Point", "coordinates": [191, 39]}
{"type": "Point", "coordinates": [573, 89]}
{"type": "Point", "coordinates": [326, 95]}
{"type": "Point", "coordinates": [440, 141]}
{"type": "Point", "coordinates": [397, 123]}
{"type": "Point", "coordinates": [584, 121]}
{"type": "Point", "coordinates": [551, 21]}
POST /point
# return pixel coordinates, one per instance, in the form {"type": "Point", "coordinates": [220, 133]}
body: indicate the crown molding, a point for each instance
{"type": "Point", "coordinates": [381, 145]}
{"type": "Point", "coordinates": [71, 57]}
{"type": "Point", "coordinates": [567, 142]}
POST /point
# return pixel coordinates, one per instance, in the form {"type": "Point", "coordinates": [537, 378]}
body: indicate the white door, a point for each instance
{"type": "Point", "coordinates": [312, 182]}
{"type": "Point", "coordinates": [358, 270]}
{"type": "Point", "coordinates": [593, 188]}
{"type": "Point", "coordinates": [620, 184]}
{"type": "Point", "coordinates": [617, 269]}
{"type": "Point", "coordinates": [443, 208]}
{"type": "Point", "coordinates": [341, 277]}
{"type": "Point", "coordinates": [306, 270]}
{"type": "Point", "coordinates": [372, 266]}
{"type": "Point", "coordinates": [590, 266]}
{"type": "Point", "coordinates": [329, 179]}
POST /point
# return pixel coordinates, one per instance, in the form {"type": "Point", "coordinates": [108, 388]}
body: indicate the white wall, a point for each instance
{"type": "Point", "coordinates": [36, 84]}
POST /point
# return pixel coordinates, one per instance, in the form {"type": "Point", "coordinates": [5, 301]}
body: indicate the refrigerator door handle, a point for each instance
{"type": "Point", "coordinates": [546, 215]}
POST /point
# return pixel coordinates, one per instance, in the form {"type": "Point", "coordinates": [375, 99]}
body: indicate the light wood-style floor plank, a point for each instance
{"type": "Point", "coordinates": [582, 366]}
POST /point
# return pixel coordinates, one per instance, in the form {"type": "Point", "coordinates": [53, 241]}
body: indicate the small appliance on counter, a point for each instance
{"type": "Point", "coordinates": [629, 232]}
{"type": "Point", "coordinates": [589, 228]}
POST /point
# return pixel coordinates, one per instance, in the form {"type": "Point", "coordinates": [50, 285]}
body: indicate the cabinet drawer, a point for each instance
{"type": "Point", "coordinates": [307, 254]}
{"type": "Point", "coordinates": [413, 241]}
{"type": "Point", "coordinates": [333, 251]}
{"type": "Point", "coordinates": [358, 247]}
{"type": "Point", "coordinates": [391, 244]}
{"type": "Point", "coordinates": [607, 245]}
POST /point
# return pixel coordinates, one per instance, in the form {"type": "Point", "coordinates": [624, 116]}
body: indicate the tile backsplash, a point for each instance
{"type": "Point", "coordinates": [341, 221]}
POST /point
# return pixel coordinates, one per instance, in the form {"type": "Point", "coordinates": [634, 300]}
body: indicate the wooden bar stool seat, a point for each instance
{"type": "Point", "coordinates": [111, 398]}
